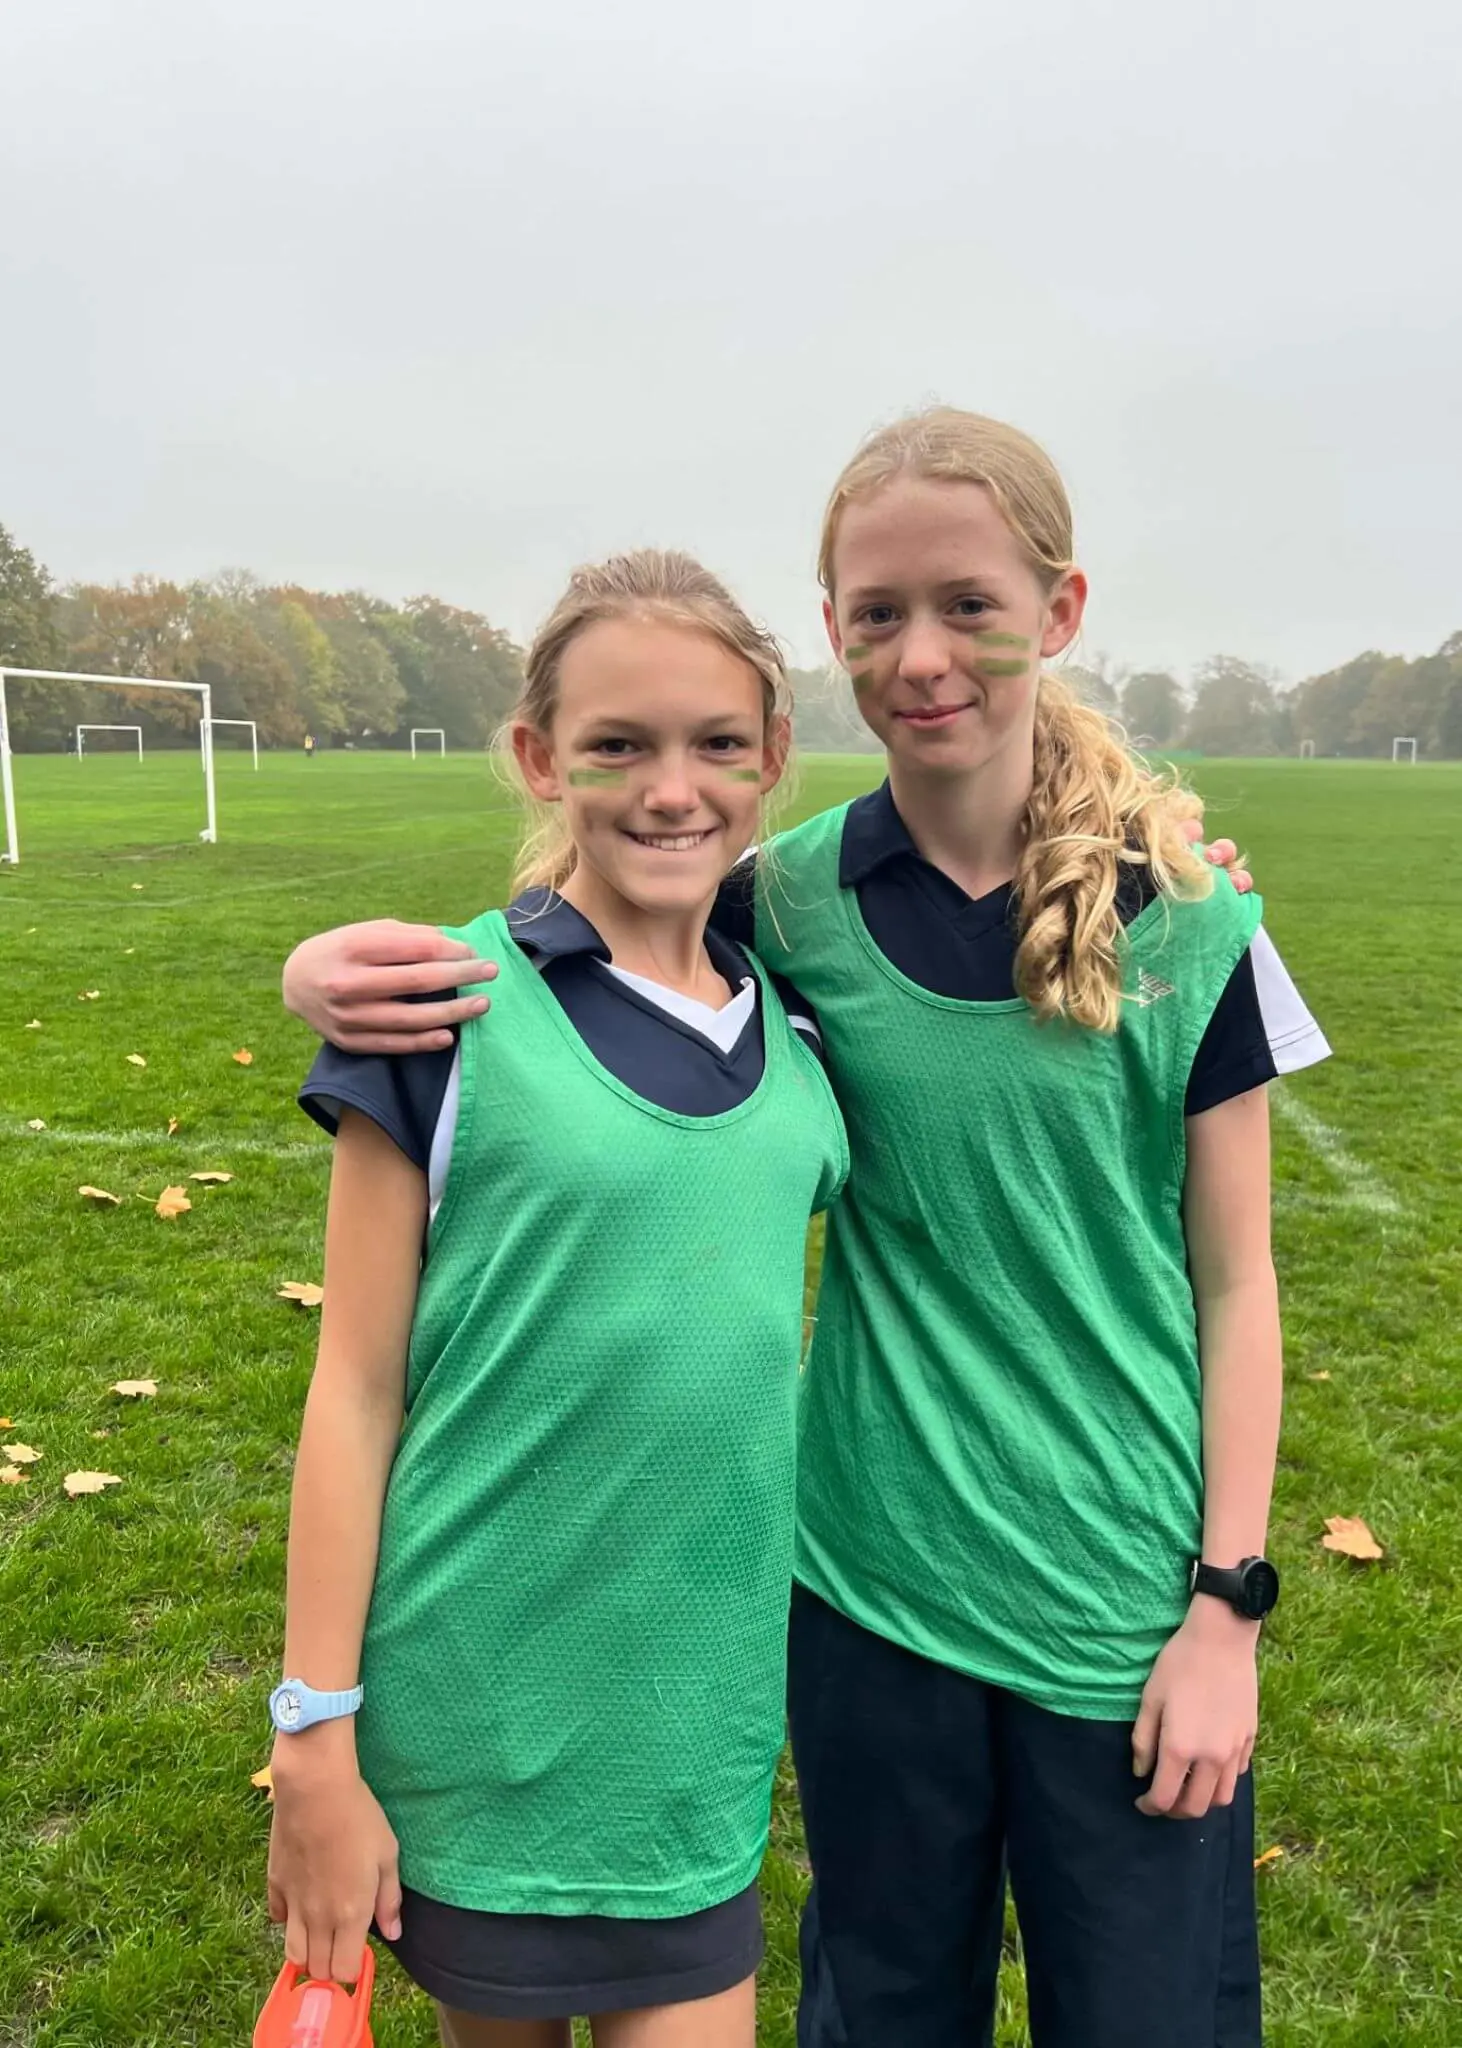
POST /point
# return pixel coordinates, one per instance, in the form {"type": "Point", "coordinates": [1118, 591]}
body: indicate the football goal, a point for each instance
{"type": "Point", "coordinates": [202, 691]}
{"type": "Point", "coordinates": [428, 732]}
{"type": "Point", "coordinates": [83, 730]}
{"type": "Point", "coordinates": [1307, 750]}
{"type": "Point", "coordinates": [1399, 750]}
{"type": "Point", "coordinates": [249, 726]}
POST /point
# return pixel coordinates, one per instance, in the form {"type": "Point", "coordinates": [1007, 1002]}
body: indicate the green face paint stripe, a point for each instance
{"type": "Point", "coordinates": [851, 654]}
{"type": "Point", "coordinates": [742, 774]}
{"type": "Point", "coordinates": [863, 678]}
{"type": "Point", "coordinates": [597, 778]}
{"type": "Point", "coordinates": [1004, 640]}
{"type": "Point", "coordinates": [1002, 668]}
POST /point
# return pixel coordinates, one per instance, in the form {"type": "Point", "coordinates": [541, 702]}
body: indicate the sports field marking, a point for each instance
{"type": "Point", "coordinates": [138, 1139]}
{"type": "Point", "coordinates": [1362, 1187]}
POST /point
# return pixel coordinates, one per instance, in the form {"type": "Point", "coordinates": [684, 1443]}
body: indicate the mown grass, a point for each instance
{"type": "Point", "coordinates": [139, 1630]}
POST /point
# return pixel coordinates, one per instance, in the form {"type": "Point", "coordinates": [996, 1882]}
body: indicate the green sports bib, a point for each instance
{"type": "Point", "coordinates": [1001, 1428]}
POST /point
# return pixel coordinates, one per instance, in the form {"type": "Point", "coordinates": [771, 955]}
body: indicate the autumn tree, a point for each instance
{"type": "Point", "coordinates": [1233, 708]}
{"type": "Point", "coordinates": [1152, 707]}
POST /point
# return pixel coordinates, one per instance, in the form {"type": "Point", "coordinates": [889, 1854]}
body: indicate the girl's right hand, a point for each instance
{"type": "Point", "coordinates": [348, 986]}
{"type": "Point", "coordinates": [332, 1868]}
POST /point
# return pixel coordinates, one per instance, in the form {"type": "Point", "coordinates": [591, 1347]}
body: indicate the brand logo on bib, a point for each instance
{"type": "Point", "coordinates": [1151, 990]}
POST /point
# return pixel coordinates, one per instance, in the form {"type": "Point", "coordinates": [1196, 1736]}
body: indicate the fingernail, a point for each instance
{"type": "Point", "coordinates": [479, 1004]}
{"type": "Point", "coordinates": [393, 1931]}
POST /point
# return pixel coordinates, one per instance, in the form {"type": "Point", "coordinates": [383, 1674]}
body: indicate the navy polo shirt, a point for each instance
{"type": "Point", "coordinates": [658, 1055]}
{"type": "Point", "coordinates": [964, 946]}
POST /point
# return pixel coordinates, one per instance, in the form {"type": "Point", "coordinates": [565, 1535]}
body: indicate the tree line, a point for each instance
{"type": "Point", "coordinates": [354, 670]}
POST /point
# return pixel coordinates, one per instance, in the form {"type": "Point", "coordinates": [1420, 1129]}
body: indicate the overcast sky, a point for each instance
{"type": "Point", "coordinates": [449, 294]}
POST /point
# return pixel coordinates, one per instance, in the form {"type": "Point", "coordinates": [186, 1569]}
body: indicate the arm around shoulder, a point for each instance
{"type": "Point", "coordinates": [353, 986]}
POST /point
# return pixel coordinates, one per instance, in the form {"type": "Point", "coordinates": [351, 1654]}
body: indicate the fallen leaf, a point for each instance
{"type": "Point", "coordinates": [36, 1123]}
{"type": "Point", "coordinates": [88, 995]}
{"type": "Point", "coordinates": [173, 1126]}
{"type": "Point", "coordinates": [265, 1781]}
{"type": "Point", "coordinates": [129, 949]}
{"type": "Point", "coordinates": [11, 1475]}
{"type": "Point", "coordinates": [305, 1292]}
{"type": "Point", "coordinates": [135, 1059]}
{"type": "Point", "coordinates": [21, 1454]}
{"type": "Point", "coordinates": [100, 1195]}
{"type": "Point", "coordinates": [139, 885]}
{"type": "Point", "coordinates": [1349, 1535]}
{"type": "Point", "coordinates": [101, 1432]}
{"type": "Point", "coordinates": [34, 1024]}
{"type": "Point", "coordinates": [1270, 1856]}
{"type": "Point", "coordinates": [172, 1203]}
{"type": "Point", "coordinates": [212, 1180]}
{"type": "Point", "coordinates": [31, 930]}
{"type": "Point", "coordinates": [136, 1388]}
{"type": "Point", "coordinates": [89, 1482]}
{"type": "Point", "coordinates": [244, 1057]}
{"type": "Point", "coordinates": [6, 1423]}
{"type": "Point", "coordinates": [1317, 1375]}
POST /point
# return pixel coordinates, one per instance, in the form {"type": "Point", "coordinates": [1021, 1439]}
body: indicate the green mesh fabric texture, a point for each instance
{"type": "Point", "coordinates": [1001, 1421]}
{"type": "Point", "coordinates": [574, 1659]}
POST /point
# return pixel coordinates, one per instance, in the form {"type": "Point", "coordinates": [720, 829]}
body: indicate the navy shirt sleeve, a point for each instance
{"type": "Point", "coordinates": [1234, 1054]}
{"type": "Point", "coordinates": [402, 1092]}
{"type": "Point", "coordinates": [733, 914]}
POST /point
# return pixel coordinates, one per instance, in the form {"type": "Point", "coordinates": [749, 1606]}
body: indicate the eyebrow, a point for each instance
{"type": "Point", "coordinates": [605, 724]}
{"type": "Point", "coordinates": [982, 585]}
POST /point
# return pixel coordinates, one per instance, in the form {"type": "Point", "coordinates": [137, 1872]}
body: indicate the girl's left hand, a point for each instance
{"type": "Point", "coordinates": [1199, 1715]}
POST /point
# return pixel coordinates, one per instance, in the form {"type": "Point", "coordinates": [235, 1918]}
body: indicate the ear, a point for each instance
{"type": "Point", "coordinates": [1064, 609]}
{"type": "Point", "coordinates": [775, 749]}
{"type": "Point", "coordinates": [830, 622]}
{"type": "Point", "coordinates": [533, 753]}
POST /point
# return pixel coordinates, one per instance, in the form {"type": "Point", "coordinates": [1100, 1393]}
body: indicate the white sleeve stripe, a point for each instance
{"type": "Point", "coordinates": [1295, 1039]}
{"type": "Point", "coordinates": [805, 1025]}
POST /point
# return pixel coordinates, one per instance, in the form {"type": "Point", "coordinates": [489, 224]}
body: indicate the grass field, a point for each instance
{"type": "Point", "coordinates": [140, 1629]}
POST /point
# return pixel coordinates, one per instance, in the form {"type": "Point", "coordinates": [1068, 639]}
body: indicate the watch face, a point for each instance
{"type": "Point", "coordinates": [287, 1709]}
{"type": "Point", "coordinates": [1260, 1589]}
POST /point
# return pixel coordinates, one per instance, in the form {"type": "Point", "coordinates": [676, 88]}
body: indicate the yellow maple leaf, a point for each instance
{"type": "Point", "coordinates": [172, 1203]}
{"type": "Point", "coordinates": [88, 995]}
{"type": "Point", "coordinates": [212, 1180]}
{"type": "Point", "coordinates": [135, 1059]}
{"type": "Point", "coordinates": [36, 1124]}
{"type": "Point", "coordinates": [89, 1482]}
{"type": "Point", "coordinates": [139, 885]}
{"type": "Point", "coordinates": [100, 1195]}
{"type": "Point", "coordinates": [305, 1292]}
{"type": "Point", "coordinates": [244, 1057]}
{"type": "Point", "coordinates": [21, 1454]}
{"type": "Point", "coordinates": [34, 1024]}
{"type": "Point", "coordinates": [1317, 1375]}
{"type": "Point", "coordinates": [1270, 1856]}
{"type": "Point", "coordinates": [1349, 1535]}
{"type": "Point", "coordinates": [11, 1475]}
{"type": "Point", "coordinates": [173, 1126]}
{"type": "Point", "coordinates": [137, 1389]}
{"type": "Point", "coordinates": [6, 1423]}
{"type": "Point", "coordinates": [265, 1781]}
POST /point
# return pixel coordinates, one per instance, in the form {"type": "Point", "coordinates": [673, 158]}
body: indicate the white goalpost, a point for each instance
{"type": "Point", "coordinates": [1396, 753]}
{"type": "Point", "coordinates": [60, 675]}
{"type": "Point", "coordinates": [248, 724]}
{"type": "Point", "coordinates": [427, 732]}
{"type": "Point", "coordinates": [1307, 750]}
{"type": "Point", "coordinates": [81, 729]}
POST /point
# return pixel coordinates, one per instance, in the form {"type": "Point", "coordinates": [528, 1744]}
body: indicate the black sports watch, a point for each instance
{"type": "Point", "coordinates": [1251, 1587]}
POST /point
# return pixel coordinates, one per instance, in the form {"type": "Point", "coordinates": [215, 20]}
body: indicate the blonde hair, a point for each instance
{"type": "Point", "coordinates": [1094, 806]}
{"type": "Point", "coordinates": [651, 583]}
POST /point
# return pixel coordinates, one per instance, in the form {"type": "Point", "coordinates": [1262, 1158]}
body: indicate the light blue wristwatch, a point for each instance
{"type": "Point", "coordinates": [295, 1705]}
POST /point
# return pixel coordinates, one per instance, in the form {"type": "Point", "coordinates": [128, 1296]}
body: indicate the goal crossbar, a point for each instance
{"type": "Point", "coordinates": [428, 732]}
{"type": "Point", "coordinates": [81, 745]}
{"type": "Point", "coordinates": [1405, 740]}
{"type": "Point", "coordinates": [250, 727]}
{"type": "Point", "coordinates": [202, 691]}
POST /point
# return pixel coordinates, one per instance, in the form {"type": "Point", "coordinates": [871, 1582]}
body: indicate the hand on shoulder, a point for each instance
{"type": "Point", "coordinates": [351, 986]}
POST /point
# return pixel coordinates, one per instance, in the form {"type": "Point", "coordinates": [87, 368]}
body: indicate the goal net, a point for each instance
{"type": "Point", "coordinates": [201, 691]}
{"type": "Point", "coordinates": [428, 732]}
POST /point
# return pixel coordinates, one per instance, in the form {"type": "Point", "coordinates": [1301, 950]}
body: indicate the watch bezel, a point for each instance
{"type": "Point", "coordinates": [1257, 1577]}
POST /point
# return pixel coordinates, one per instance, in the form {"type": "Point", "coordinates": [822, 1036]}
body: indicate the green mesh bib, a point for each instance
{"type": "Point", "coordinates": [574, 1659]}
{"type": "Point", "coordinates": [1001, 1422]}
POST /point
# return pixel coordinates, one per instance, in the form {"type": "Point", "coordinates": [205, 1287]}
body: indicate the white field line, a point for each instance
{"type": "Point", "coordinates": [139, 1139]}
{"type": "Point", "coordinates": [1361, 1187]}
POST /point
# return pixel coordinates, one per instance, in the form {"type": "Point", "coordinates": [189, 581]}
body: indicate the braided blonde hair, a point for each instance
{"type": "Point", "coordinates": [1094, 806]}
{"type": "Point", "coordinates": [651, 583]}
